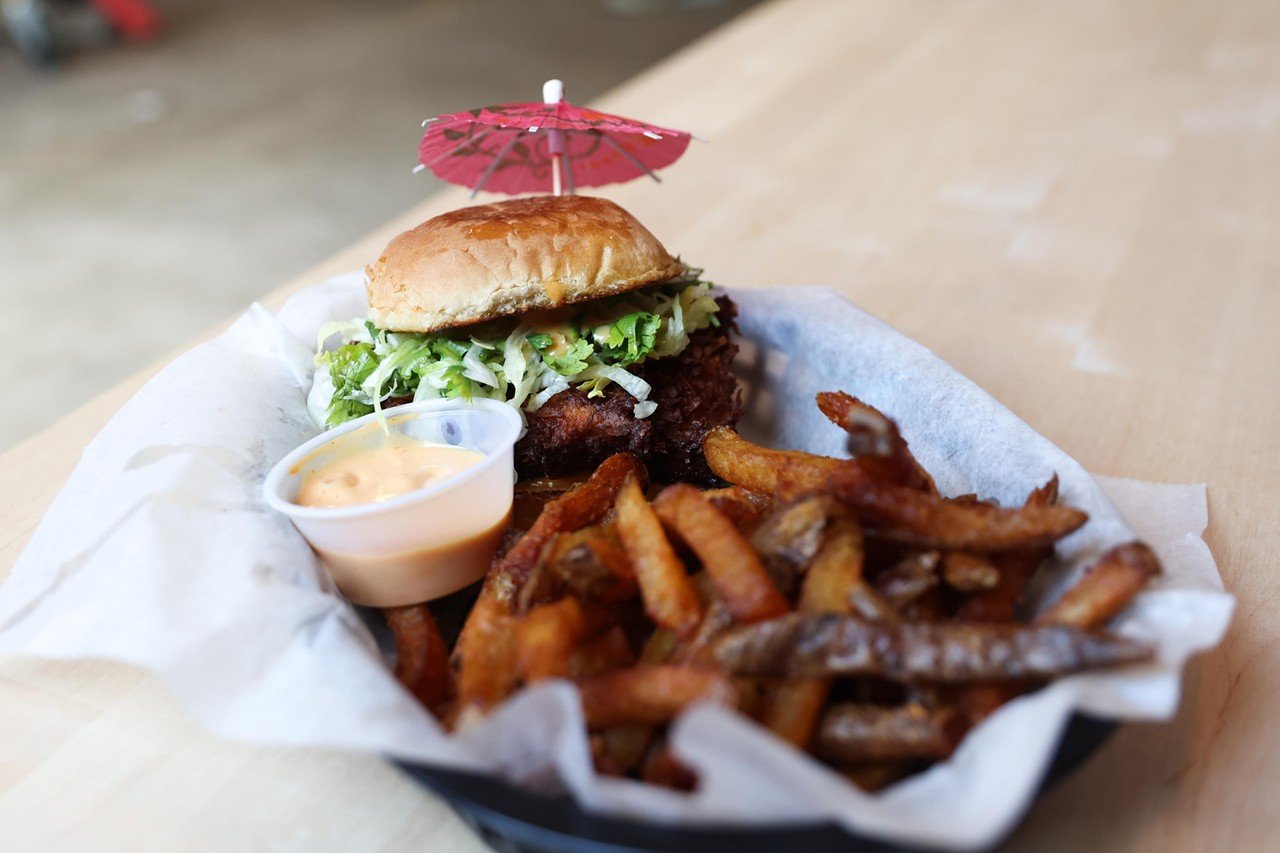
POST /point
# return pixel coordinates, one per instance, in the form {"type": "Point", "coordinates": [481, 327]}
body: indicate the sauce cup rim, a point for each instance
{"type": "Point", "coordinates": [276, 477]}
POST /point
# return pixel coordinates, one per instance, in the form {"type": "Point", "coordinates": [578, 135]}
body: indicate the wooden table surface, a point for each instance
{"type": "Point", "coordinates": [1078, 205]}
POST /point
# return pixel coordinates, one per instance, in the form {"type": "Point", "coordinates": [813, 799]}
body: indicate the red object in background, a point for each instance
{"type": "Point", "coordinates": [539, 147]}
{"type": "Point", "coordinates": [133, 19]}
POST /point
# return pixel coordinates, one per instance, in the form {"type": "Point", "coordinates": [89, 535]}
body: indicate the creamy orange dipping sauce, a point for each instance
{"type": "Point", "coordinates": [391, 580]}
{"type": "Point", "coordinates": [382, 473]}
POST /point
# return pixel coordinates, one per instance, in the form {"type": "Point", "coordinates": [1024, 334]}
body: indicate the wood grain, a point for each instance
{"type": "Point", "coordinates": [1078, 205]}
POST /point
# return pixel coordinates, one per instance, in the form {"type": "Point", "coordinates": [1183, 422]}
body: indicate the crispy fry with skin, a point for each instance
{"type": "Point", "coordinates": [625, 747]}
{"type": "Point", "coordinates": [808, 646]}
{"type": "Point", "coordinates": [896, 512]}
{"type": "Point", "coordinates": [787, 474]}
{"type": "Point", "coordinates": [872, 433]}
{"type": "Point", "coordinates": [729, 560]}
{"type": "Point", "coordinates": [715, 621]}
{"type": "Point", "coordinates": [593, 564]}
{"type": "Point", "coordinates": [585, 505]}
{"type": "Point", "coordinates": [609, 650]}
{"type": "Point", "coordinates": [487, 665]}
{"type": "Point", "coordinates": [661, 767]}
{"type": "Point", "coordinates": [910, 578]}
{"type": "Point", "coordinates": [878, 775]}
{"type": "Point", "coordinates": [1106, 588]}
{"type": "Point", "coordinates": [851, 733]}
{"type": "Point", "coordinates": [665, 588]}
{"type": "Point", "coordinates": [836, 570]}
{"type": "Point", "coordinates": [792, 709]}
{"type": "Point", "coordinates": [649, 695]}
{"type": "Point", "coordinates": [744, 508]}
{"type": "Point", "coordinates": [660, 646]}
{"type": "Point", "coordinates": [546, 637]}
{"type": "Point", "coordinates": [968, 573]}
{"type": "Point", "coordinates": [1046, 495]}
{"type": "Point", "coordinates": [906, 627]}
{"type": "Point", "coordinates": [927, 521]}
{"type": "Point", "coordinates": [1000, 603]}
{"type": "Point", "coordinates": [790, 537]}
{"type": "Point", "coordinates": [422, 659]}
{"type": "Point", "coordinates": [867, 604]}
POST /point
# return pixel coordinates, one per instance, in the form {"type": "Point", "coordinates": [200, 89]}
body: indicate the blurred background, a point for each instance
{"type": "Point", "coordinates": [164, 164]}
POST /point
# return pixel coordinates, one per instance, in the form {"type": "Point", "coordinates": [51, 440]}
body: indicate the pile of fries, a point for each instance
{"type": "Point", "coordinates": [842, 603]}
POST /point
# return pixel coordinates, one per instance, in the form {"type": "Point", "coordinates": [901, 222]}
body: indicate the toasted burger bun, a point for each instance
{"type": "Point", "coordinates": [495, 260]}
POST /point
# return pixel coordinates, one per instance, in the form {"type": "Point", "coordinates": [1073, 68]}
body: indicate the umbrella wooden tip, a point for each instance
{"type": "Point", "coordinates": [553, 91]}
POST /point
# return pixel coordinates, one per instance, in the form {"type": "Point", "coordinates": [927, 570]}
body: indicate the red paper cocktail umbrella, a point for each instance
{"type": "Point", "coordinates": [551, 146]}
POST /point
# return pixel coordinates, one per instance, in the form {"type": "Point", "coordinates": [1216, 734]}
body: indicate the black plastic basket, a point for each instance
{"type": "Point", "coordinates": [510, 818]}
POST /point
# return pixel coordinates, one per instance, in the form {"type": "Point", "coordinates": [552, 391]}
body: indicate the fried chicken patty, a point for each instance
{"type": "Point", "coordinates": [695, 392]}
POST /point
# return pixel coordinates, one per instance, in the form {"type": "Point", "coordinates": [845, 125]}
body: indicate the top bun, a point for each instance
{"type": "Point", "coordinates": [494, 260]}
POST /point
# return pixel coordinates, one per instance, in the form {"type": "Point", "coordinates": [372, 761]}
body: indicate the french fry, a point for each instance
{"type": "Point", "coordinates": [878, 775]}
{"type": "Point", "coordinates": [867, 604]}
{"type": "Point", "coordinates": [792, 709]}
{"type": "Point", "coordinates": [906, 597]}
{"type": "Point", "coordinates": [871, 433]}
{"type": "Point", "coordinates": [422, 658]}
{"type": "Point", "coordinates": [601, 758]}
{"type": "Point", "coordinates": [649, 695]}
{"type": "Point", "coordinates": [908, 579]}
{"type": "Point", "coordinates": [745, 509]}
{"type": "Point", "coordinates": [965, 572]}
{"type": "Point", "coordinates": [786, 474]}
{"type": "Point", "coordinates": [851, 733]}
{"type": "Point", "coordinates": [609, 650]}
{"type": "Point", "coordinates": [487, 664]}
{"type": "Point", "coordinates": [546, 637]}
{"type": "Point", "coordinates": [927, 521]}
{"type": "Point", "coordinates": [660, 646]}
{"type": "Point", "coordinates": [593, 564]}
{"type": "Point", "coordinates": [585, 505]}
{"type": "Point", "coordinates": [661, 767]}
{"type": "Point", "coordinates": [716, 620]}
{"type": "Point", "coordinates": [1046, 495]}
{"type": "Point", "coordinates": [807, 646]}
{"type": "Point", "coordinates": [1000, 602]}
{"type": "Point", "coordinates": [733, 566]}
{"type": "Point", "coordinates": [665, 588]}
{"type": "Point", "coordinates": [898, 513]}
{"type": "Point", "coordinates": [789, 538]}
{"type": "Point", "coordinates": [1106, 588]}
{"type": "Point", "coordinates": [626, 746]}
{"type": "Point", "coordinates": [836, 570]}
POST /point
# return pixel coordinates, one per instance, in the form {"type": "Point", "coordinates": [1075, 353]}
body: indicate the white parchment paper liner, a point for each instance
{"type": "Point", "coordinates": [159, 552]}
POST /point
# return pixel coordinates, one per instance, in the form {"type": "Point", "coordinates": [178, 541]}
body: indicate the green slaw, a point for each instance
{"type": "Point", "coordinates": [360, 366]}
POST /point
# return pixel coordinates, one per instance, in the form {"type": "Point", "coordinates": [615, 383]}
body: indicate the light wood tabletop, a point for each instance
{"type": "Point", "coordinates": [1077, 205]}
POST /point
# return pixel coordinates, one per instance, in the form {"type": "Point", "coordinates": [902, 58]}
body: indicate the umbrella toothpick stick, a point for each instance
{"type": "Point", "coordinates": [544, 146]}
{"type": "Point", "coordinates": [553, 93]}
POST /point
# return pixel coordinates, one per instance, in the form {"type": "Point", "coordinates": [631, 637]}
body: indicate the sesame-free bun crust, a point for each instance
{"type": "Point", "coordinates": [494, 260]}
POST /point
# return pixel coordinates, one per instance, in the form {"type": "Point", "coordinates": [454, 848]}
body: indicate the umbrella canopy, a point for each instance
{"type": "Point", "coordinates": [544, 147]}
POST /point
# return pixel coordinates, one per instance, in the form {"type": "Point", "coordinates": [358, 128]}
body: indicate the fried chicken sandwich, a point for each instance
{"type": "Point", "coordinates": [567, 308]}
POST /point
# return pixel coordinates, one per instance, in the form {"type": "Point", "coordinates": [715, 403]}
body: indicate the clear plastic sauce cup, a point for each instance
{"type": "Point", "coordinates": [424, 544]}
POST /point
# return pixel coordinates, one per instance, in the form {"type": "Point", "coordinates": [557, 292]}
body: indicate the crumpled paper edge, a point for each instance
{"type": "Point", "coordinates": [704, 732]}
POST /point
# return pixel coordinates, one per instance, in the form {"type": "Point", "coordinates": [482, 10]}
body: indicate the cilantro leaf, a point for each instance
{"type": "Point", "coordinates": [570, 362]}
{"type": "Point", "coordinates": [631, 338]}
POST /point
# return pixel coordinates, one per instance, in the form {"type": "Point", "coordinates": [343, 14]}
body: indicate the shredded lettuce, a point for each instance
{"type": "Point", "coordinates": [525, 366]}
